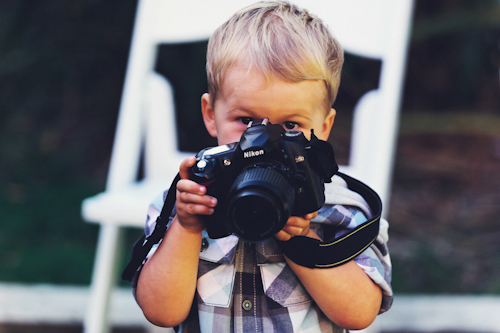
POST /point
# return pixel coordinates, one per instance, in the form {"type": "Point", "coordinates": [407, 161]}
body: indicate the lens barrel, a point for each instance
{"type": "Point", "coordinates": [261, 201]}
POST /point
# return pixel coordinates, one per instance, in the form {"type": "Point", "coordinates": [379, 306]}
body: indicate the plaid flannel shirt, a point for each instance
{"type": "Point", "coordinates": [248, 287]}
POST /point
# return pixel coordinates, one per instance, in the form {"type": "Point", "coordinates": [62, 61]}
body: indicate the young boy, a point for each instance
{"type": "Point", "coordinates": [270, 60]}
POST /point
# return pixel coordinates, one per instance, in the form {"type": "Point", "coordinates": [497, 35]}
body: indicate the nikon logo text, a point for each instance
{"type": "Point", "coordinates": [252, 153]}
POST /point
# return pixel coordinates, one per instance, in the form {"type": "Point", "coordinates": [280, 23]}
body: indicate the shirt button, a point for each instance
{"type": "Point", "coordinates": [204, 244]}
{"type": "Point", "coordinates": [247, 305]}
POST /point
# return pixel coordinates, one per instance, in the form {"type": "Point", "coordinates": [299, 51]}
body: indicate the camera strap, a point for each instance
{"type": "Point", "coordinates": [144, 244]}
{"type": "Point", "coordinates": [302, 250]}
{"type": "Point", "coordinates": [313, 253]}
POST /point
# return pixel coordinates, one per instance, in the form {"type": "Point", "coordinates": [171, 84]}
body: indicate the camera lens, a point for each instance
{"type": "Point", "coordinates": [254, 216]}
{"type": "Point", "coordinates": [261, 203]}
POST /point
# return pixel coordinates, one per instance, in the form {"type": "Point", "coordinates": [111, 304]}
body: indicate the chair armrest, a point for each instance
{"type": "Point", "coordinates": [127, 206]}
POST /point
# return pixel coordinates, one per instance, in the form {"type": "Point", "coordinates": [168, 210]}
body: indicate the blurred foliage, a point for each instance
{"type": "Point", "coordinates": [62, 64]}
{"type": "Point", "coordinates": [454, 57]}
{"type": "Point", "coordinates": [444, 212]}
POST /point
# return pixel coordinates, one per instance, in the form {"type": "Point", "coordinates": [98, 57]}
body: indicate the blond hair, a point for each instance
{"type": "Point", "coordinates": [279, 40]}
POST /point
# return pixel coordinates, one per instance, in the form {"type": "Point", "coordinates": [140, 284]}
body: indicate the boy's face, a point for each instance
{"type": "Point", "coordinates": [246, 95]}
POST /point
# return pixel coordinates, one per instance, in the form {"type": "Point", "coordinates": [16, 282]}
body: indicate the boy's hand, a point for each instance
{"type": "Point", "coordinates": [191, 199]}
{"type": "Point", "coordinates": [296, 226]}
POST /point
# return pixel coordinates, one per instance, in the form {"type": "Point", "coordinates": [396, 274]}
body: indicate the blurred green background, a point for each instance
{"type": "Point", "coordinates": [62, 64]}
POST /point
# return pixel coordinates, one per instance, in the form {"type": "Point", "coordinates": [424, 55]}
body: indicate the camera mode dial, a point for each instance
{"type": "Point", "coordinates": [205, 168]}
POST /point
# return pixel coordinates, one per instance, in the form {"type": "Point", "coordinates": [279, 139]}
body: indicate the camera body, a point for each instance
{"type": "Point", "coordinates": [262, 180]}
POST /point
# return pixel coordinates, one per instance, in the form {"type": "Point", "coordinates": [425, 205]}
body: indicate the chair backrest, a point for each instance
{"type": "Point", "coordinates": [370, 28]}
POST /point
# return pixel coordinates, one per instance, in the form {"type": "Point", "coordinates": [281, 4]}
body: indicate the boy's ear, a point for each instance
{"type": "Point", "coordinates": [327, 125]}
{"type": "Point", "coordinates": [207, 111]}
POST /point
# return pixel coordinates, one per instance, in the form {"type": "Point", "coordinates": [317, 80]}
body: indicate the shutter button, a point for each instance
{"type": "Point", "coordinates": [247, 305]}
{"type": "Point", "coordinates": [201, 165]}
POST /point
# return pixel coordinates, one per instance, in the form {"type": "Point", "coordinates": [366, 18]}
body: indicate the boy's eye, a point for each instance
{"type": "Point", "coordinates": [246, 120]}
{"type": "Point", "coordinates": [290, 125]}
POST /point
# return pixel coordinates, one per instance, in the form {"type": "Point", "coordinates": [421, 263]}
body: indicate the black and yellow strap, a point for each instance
{"type": "Point", "coordinates": [313, 253]}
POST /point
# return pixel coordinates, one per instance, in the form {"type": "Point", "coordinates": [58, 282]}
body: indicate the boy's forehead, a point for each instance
{"type": "Point", "coordinates": [248, 88]}
{"type": "Point", "coordinates": [248, 77]}
{"type": "Point", "coordinates": [243, 77]}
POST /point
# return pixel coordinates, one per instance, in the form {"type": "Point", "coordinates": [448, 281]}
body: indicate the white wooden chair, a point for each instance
{"type": "Point", "coordinates": [376, 29]}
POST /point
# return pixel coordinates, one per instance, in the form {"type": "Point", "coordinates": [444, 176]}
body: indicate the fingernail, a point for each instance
{"type": "Point", "coordinates": [213, 201]}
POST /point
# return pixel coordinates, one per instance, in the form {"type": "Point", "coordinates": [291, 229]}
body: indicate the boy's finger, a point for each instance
{"type": "Point", "coordinates": [311, 216]}
{"type": "Point", "coordinates": [292, 230]}
{"type": "Point", "coordinates": [185, 166]}
{"type": "Point", "coordinates": [185, 185]}
{"type": "Point", "coordinates": [282, 236]}
{"type": "Point", "coordinates": [296, 221]}
{"type": "Point", "coordinates": [205, 200]}
{"type": "Point", "coordinates": [194, 209]}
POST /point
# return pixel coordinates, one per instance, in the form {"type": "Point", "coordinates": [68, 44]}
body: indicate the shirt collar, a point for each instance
{"type": "Point", "coordinates": [220, 250]}
{"type": "Point", "coordinates": [223, 250]}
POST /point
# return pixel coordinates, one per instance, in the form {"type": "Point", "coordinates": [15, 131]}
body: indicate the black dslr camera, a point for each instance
{"type": "Point", "coordinates": [264, 179]}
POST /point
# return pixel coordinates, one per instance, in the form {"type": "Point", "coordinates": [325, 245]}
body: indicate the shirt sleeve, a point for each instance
{"type": "Point", "coordinates": [154, 211]}
{"type": "Point", "coordinates": [376, 263]}
{"type": "Point", "coordinates": [375, 260]}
